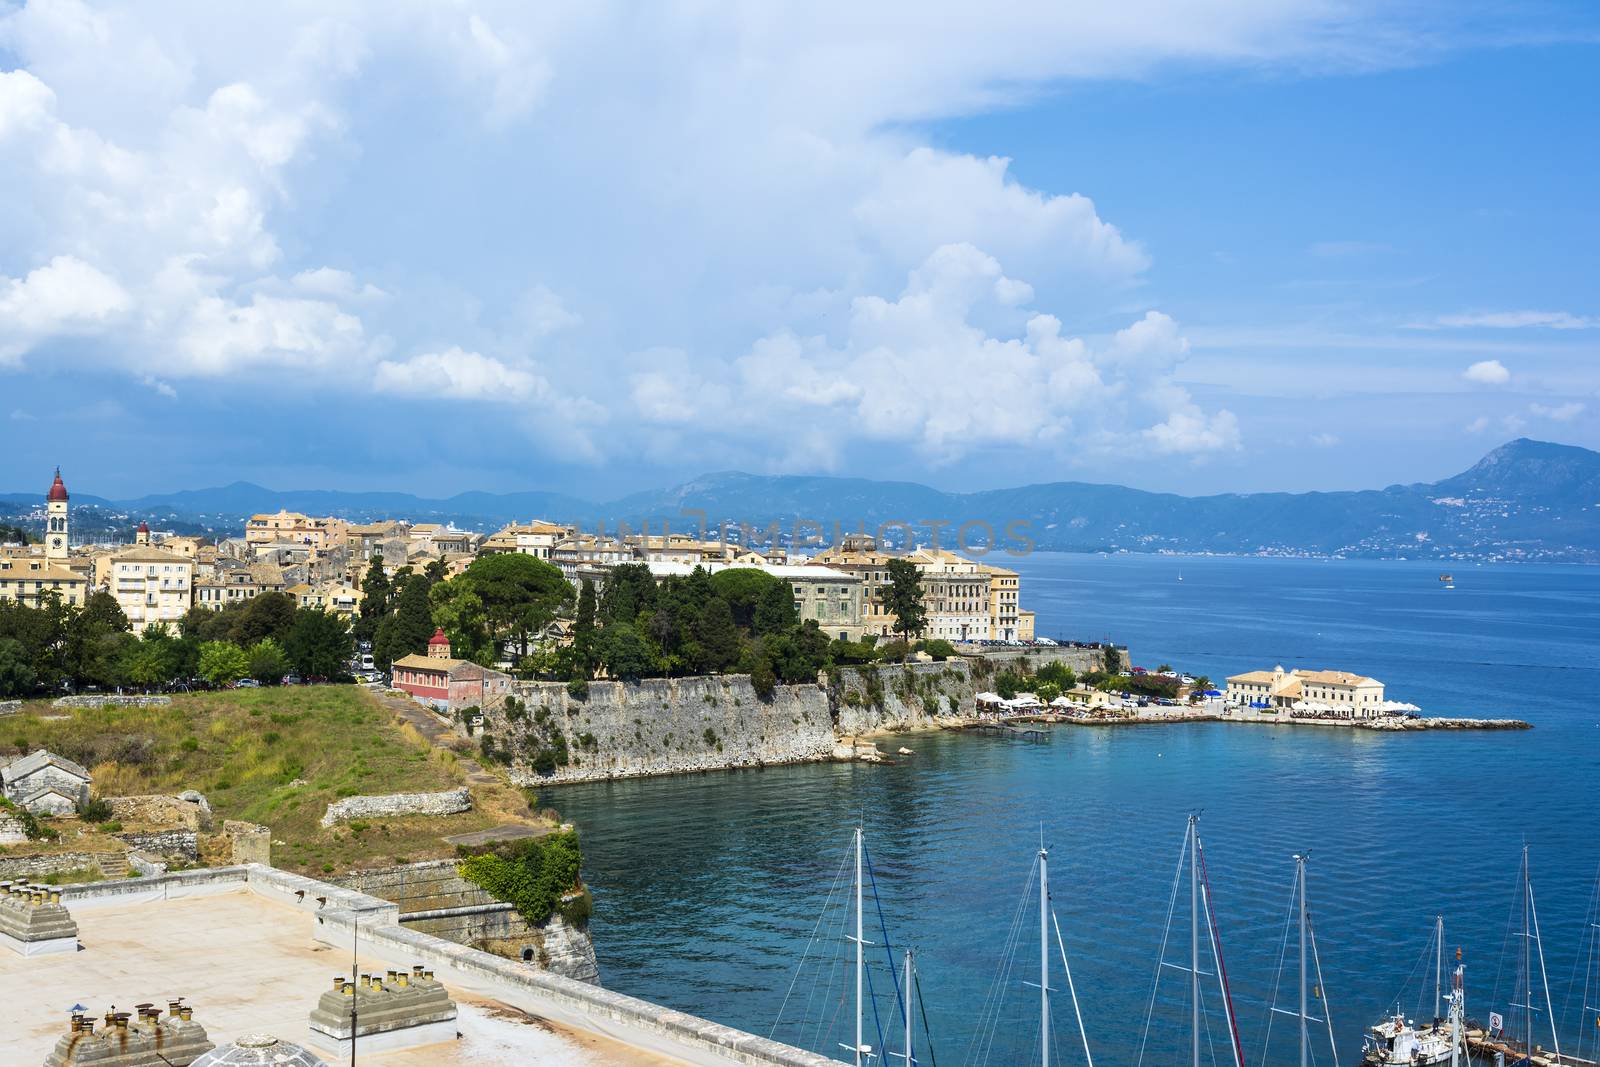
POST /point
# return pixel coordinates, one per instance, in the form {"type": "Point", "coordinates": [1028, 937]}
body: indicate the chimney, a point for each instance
{"type": "Point", "coordinates": [186, 1013]}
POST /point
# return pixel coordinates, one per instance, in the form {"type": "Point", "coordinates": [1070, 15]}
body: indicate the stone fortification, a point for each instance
{"type": "Point", "coordinates": [682, 725]}
{"type": "Point", "coordinates": [657, 726]}
{"type": "Point", "coordinates": [433, 898]}
{"type": "Point", "coordinates": [449, 802]}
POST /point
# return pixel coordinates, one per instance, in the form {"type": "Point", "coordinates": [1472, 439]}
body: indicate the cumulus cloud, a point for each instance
{"type": "Point", "coordinates": [919, 370]}
{"type": "Point", "coordinates": [1487, 372]}
{"type": "Point", "coordinates": [455, 374]}
{"type": "Point", "coordinates": [614, 181]}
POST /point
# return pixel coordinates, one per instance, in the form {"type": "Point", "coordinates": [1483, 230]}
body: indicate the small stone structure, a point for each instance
{"type": "Point", "coordinates": [259, 1050]}
{"type": "Point", "coordinates": [12, 832]}
{"type": "Point", "coordinates": [10, 707]}
{"type": "Point", "coordinates": [251, 843]}
{"type": "Point", "coordinates": [45, 783]}
{"type": "Point", "coordinates": [110, 700]}
{"type": "Point", "coordinates": [181, 845]}
{"type": "Point", "coordinates": [33, 921]}
{"type": "Point", "coordinates": [379, 1013]}
{"type": "Point", "coordinates": [20, 868]}
{"type": "Point", "coordinates": [188, 810]}
{"type": "Point", "coordinates": [450, 802]}
{"type": "Point", "coordinates": [128, 1041]}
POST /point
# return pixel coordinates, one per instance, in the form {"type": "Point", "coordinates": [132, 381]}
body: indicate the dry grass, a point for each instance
{"type": "Point", "coordinates": [272, 756]}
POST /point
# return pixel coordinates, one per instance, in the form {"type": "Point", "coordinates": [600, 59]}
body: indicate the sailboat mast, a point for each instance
{"type": "Point", "coordinates": [861, 960]}
{"type": "Point", "coordinates": [1044, 957]}
{"type": "Point", "coordinates": [1527, 951]}
{"type": "Point", "coordinates": [1194, 941]}
{"type": "Point", "coordinates": [1438, 966]}
{"type": "Point", "coordinates": [1305, 1033]}
{"type": "Point", "coordinates": [909, 1060]}
{"type": "Point", "coordinates": [1544, 978]}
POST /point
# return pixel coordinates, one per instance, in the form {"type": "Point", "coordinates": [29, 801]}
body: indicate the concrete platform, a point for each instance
{"type": "Point", "coordinates": [48, 947]}
{"type": "Point", "coordinates": [248, 964]}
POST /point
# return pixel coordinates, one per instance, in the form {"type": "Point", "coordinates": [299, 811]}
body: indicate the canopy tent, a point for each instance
{"type": "Point", "coordinates": [1061, 702]}
{"type": "Point", "coordinates": [989, 698]}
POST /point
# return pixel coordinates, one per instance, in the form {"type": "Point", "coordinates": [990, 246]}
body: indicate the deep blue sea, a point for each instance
{"type": "Point", "coordinates": [709, 889]}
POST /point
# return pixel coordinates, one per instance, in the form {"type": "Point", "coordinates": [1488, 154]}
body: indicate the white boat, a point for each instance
{"type": "Point", "coordinates": [1399, 1042]}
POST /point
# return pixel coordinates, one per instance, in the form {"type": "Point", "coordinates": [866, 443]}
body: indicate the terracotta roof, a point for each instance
{"type": "Point", "coordinates": [428, 663]}
{"type": "Point", "coordinates": [58, 488]}
{"type": "Point", "coordinates": [438, 638]}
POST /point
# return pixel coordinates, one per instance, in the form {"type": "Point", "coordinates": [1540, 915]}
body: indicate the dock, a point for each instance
{"type": "Point", "coordinates": [1481, 1043]}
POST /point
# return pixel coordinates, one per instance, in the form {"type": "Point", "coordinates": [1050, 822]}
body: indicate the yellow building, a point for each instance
{"type": "Point", "coordinates": [320, 533]}
{"type": "Point", "coordinates": [1339, 694]}
{"type": "Point", "coordinates": [150, 585]}
{"type": "Point", "coordinates": [956, 592]}
{"type": "Point", "coordinates": [29, 578]}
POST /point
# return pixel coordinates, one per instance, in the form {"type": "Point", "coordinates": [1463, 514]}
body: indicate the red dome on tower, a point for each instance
{"type": "Point", "coordinates": [438, 638]}
{"type": "Point", "coordinates": [144, 527]}
{"type": "Point", "coordinates": [58, 488]}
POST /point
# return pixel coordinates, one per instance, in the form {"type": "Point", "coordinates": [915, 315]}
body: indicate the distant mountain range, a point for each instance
{"type": "Point", "coordinates": [1526, 500]}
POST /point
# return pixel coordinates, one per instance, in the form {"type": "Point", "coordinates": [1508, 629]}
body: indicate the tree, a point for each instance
{"type": "Point", "coordinates": [377, 596]}
{"type": "Point", "coordinates": [521, 596]}
{"type": "Point", "coordinates": [775, 612]}
{"type": "Point", "coordinates": [1110, 658]}
{"type": "Point", "coordinates": [408, 629]}
{"type": "Point", "coordinates": [903, 599]}
{"type": "Point", "coordinates": [93, 641]}
{"type": "Point", "coordinates": [319, 644]}
{"type": "Point", "coordinates": [16, 669]}
{"type": "Point", "coordinates": [223, 662]}
{"type": "Point", "coordinates": [267, 615]}
{"type": "Point", "coordinates": [743, 588]}
{"type": "Point", "coordinates": [626, 653]}
{"type": "Point", "coordinates": [268, 664]}
{"type": "Point", "coordinates": [458, 609]}
{"type": "Point", "coordinates": [151, 661]}
{"type": "Point", "coordinates": [629, 591]}
{"type": "Point", "coordinates": [717, 636]}
{"type": "Point", "coordinates": [583, 632]}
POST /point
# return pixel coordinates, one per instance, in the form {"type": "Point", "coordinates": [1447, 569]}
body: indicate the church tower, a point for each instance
{"type": "Point", "coordinates": [55, 535]}
{"type": "Point", "coordinates": [141, 536]}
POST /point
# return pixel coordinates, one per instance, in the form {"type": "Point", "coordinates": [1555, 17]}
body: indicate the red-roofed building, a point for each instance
{"type": "Point", "coordinates": [445, 682]}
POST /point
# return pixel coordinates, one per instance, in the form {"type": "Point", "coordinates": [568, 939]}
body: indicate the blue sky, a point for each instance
{"type": "Point", "coordinates": [1232, 245]}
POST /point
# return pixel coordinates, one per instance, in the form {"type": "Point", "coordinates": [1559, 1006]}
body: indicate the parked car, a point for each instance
{"type": "Point", "coordinates": [247, 683]}
{"type": "Point", "coordinates": [293, 679]}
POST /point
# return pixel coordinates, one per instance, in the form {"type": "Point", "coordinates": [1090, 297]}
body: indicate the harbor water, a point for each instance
{"type": "Point", "coordinates": [709, 888]}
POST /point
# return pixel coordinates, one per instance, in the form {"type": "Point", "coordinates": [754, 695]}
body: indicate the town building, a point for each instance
{"type": "Point", "coordinates": [57, 535]}
{"type": "Point", "coordinates": [1339, 694]}
{"type": "Point", "coordinates": [316, 532]}
{"type": "Point", "coordinates": [150, 585]}
{"type": "Point", "coordinates": [445, 682]}
{"type": "Point", "coordinates": [28, 579]}
{"type": "Point", "coordinates": [1007, 620]}
{"type": "Point", "coordinates": [365, 539]}
{"type": "Point", "coordinates": [956, 592]}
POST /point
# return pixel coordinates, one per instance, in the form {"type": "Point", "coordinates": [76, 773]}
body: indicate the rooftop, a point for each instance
{"type": "Point", "coordinates": [248, 964]}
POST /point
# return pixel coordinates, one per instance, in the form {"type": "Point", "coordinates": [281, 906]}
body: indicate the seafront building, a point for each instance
{"type": "Point", "coordinates": [1337, 693]}
{"type": "Point", "coordinates": [962, 601]}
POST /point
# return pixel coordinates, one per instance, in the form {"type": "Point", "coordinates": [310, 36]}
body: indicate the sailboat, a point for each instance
{"type": "Point", "coordinates": [1201, 914]}
{"type": "Point", "coordinates": [1517, 1043]}
{"type": "Point", "coordinates": [1309, 960]}
{"type": "Point", "coordinates": [1397, 1042]}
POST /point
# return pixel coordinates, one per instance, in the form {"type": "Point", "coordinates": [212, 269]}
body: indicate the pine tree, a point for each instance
{"type": "Point", "coordinates": [718, 636]}
{"type": "Point", "coordinates": [903, 599]}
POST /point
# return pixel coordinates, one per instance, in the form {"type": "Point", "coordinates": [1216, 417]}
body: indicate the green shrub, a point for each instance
{"type": "Point", "coordinates": [764, 681]}
{"type": "Point", "coordinates": [938, 648]}
{"type": "Point", "coordinates": [95, 809]}
{"type": "Point", "coordinates": [578, 689]}
{"type": "Point", "coordinates": [531, 874]}
{"type": "Point", "coordinates": [577, 909]}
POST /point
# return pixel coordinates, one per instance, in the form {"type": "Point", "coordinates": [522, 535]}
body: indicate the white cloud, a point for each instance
{"type": "Point", "coordinates": [1557, 412]}
{"type": "Point", "coordinates": [455, 374]}
{"type": "Point", "coordinates": [919, 371]}
{"type": "Point", "coordinates": [1325, 440]}
{"type": "Point", "coordinates": [1478, 425]}
{"type": "Point", "coordinates": [64, 296]}
{"type": "Point", "coordinates": [1512, 320]}
{"type": "Point", "coordinates": [1487, 372]}
{"type": "Point", "coordinates": [741, 187]}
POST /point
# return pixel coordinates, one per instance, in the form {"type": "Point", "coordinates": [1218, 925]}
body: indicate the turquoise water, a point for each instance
{"type": "Point", "coordinates": [708, 888]}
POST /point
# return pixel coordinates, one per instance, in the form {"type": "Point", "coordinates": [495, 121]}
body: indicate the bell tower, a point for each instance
{"type": "Point", "coordinates": [56, 533]}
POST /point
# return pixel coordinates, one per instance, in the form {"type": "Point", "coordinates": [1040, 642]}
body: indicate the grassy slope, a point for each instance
{"type": "Point", "coordinates": [273, 756]}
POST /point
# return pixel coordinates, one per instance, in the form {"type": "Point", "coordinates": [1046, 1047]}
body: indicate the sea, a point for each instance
{"type": "Point", "coordinates": [727, 895]}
